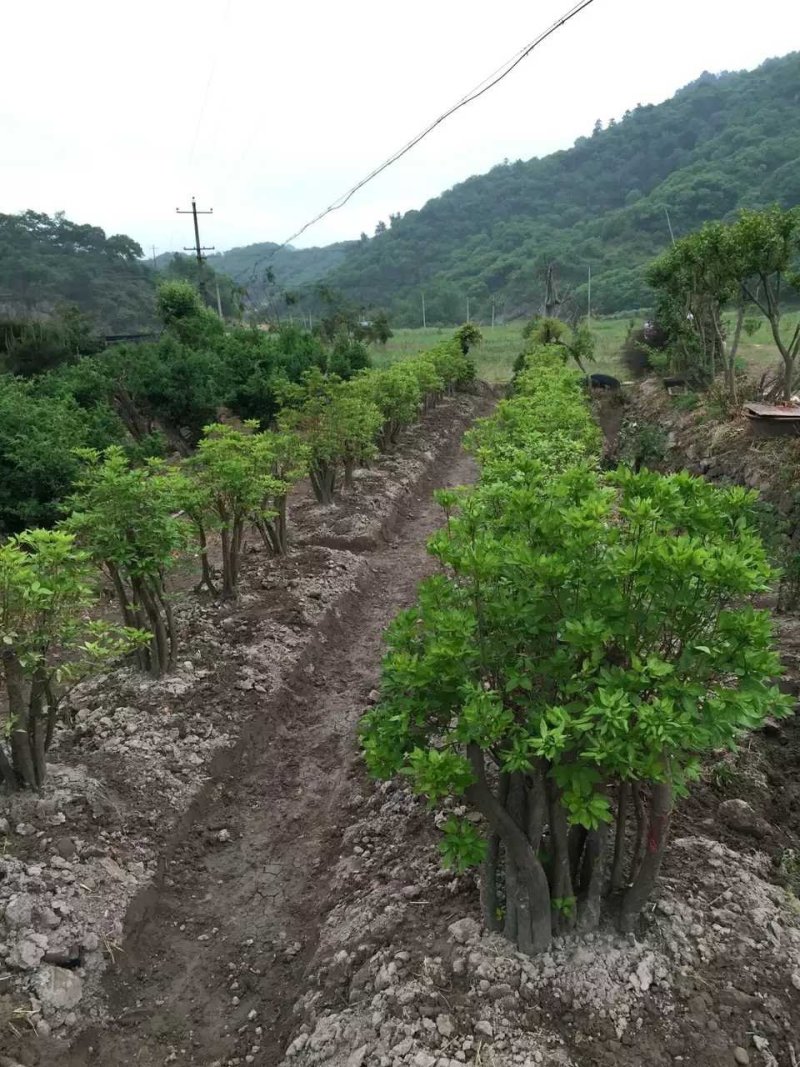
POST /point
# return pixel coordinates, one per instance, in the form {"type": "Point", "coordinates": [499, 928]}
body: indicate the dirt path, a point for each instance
{"type": "Point", "coordinates": [215, 966]}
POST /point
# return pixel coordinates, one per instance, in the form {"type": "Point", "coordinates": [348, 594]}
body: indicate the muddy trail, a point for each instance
{"type": "Point", "coordinates": [214, 961]}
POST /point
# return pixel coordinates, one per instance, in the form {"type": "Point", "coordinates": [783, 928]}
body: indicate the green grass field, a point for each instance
{"type": "Point", "coordinates": [501, 345]}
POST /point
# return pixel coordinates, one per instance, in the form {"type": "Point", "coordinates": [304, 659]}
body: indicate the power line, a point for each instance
{"type": "Point", "coordinates": [209, 80]}
{"type": "Point", "coordinates": [482, 87]}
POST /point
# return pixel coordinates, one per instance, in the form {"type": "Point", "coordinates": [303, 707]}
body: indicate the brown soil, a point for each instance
{"type": "Point", "coordinates": [229, 926]}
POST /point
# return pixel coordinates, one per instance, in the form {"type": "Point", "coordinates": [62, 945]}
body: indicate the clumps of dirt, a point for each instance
{"type": "Point", "coordinates": [404, 974]}
{"type": "Point", "coordinates": [139, 751]}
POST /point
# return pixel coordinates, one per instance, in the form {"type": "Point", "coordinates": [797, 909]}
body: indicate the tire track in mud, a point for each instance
{"type": "Point", "coordinates": [214, 966]}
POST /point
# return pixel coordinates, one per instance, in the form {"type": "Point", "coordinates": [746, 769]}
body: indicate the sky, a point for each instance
{"type": "Point", "coordinates": [268, 112]}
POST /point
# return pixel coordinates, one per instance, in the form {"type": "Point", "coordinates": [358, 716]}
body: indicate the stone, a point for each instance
{"type": "Point", "coordinates": [484, 1028]}
{"type": "Point", "coordinates": [423, 1059]}
{"type": "Point", "coordinates": [223, 836]}
{"type": "Point", "coordinates": [57, 988]}
{"type": "Point", "coordinates": [445, 1026]}
{"type": "Point", "coordinates": [741, 1056]}
{"type": "Point", "coordinates": [19, 911]}
{"type": "Point", "coordinates": [464, 930]}
{"type": "Point", "coordinates": [356, 1058]}
{"type": "Point", "coordinates": [739, 816]}
{"type": "Point", "coordinates": [4, 826]}
{"type": "Point", "coordinates": [26, 954]}
{"type": "Point", "coordinates": [796, 979]}
{"type": "Point", "coordinates": [644, 973]}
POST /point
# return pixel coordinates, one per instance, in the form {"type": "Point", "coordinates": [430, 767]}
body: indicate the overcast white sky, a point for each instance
{"type": "Point", "coordinates": [267, 111]}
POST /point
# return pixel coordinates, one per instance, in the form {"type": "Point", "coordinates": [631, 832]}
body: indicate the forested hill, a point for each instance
{"type": "Point", "coordinates": [723, 142]}
{"type": "Point", "coordinates": [47, 262]}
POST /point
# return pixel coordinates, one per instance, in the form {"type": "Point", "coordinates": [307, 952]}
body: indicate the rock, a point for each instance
{"type": "Point", "coordinates": [26, 954]}
{"type": "Point", "coordinates": [796, 979]}
{"type": "Point", "coordinates": [4, 826]}
{"type": "Point", "coordinates": [739, 816]}
{"type": "Point", "coordinates": [356, 1059]}
{"type": "Point", "coordinates": [19, 911]}
{"type": "Point", "coordinates": [464, 930]}
{"type": "Point", "coordinates": [740, 1055]}
{"type": "Point", "coordinates": [423, 1059]}
{"type": "Point", "coordinates": [24, 829]}
{"type": "Point", "coordinates": [65, 848]}
{"type": "Point", "coordinates": [223, 836]}
{"type": "Point", "coordinates": [445, 1026]}
{"type": "Point", "coordinates": [484, 1028]}
{"type": "Point", "coordinates": [644, 973]}
{"type": "Point", "coordinates": [57, 988]}
{"type": "Point", "coordinates": [91, 942]}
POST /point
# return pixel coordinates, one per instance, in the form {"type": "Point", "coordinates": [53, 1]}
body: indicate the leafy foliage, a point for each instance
{"type": "Point", "coordinates": [588, 634]}
{"type": "Point", "coordinates": [47, 642]}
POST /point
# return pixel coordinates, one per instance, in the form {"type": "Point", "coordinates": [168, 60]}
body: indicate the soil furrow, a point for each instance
{"type": "Point", "coordinates": [217, 963]}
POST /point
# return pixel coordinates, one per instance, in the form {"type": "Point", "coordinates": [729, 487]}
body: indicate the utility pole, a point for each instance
{"type": "Point", "coordinates": [424, 323]}
{"type": "Point", "coordinates": [219, 302]}
{"type": "Point", "coordinates": [198, 248]}
{"type": "Point", "coordinates": [467, 309]}
{"type": "Point", "coordinates": [589, 296]}
{"type": "Point", "coordinates": [671, 234]}
{"type": "Point", "coordinates": [492, 312]}
{"type": "Point", "coordinates": [153, 250]}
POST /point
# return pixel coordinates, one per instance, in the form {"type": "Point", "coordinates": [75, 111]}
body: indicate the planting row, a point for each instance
{"type": "Point", "coordinates": [133, 524]}
{"type": "Point", "coordinates": [589, 638]}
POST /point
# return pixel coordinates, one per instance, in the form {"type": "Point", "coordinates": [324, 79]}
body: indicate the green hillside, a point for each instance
{"type": "Point", "coordinates": [47, 262]}
{"type": "Point", "coordinates": [723, 142]}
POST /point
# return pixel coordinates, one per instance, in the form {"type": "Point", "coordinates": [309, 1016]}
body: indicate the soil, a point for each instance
{"type": "Point", "coordinates": [295, 913]}
{"type": "Point", "coordinates": [239, 883]}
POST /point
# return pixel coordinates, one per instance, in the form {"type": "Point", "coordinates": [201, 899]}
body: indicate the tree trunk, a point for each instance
{"type": "Point", "coordinates": [349, 467]}
{"type": "Point", "coordinates": [7, 772]}
{"type": "Point", "coordinates": [489, 901]}
{"type": "Point", "coordinates": [591, 880]}
{"type": "Point", "coordinates": [207, 579]}
{"type": "Point", "coordinates": [228, 585]}
{"type": "Point", "coordinates": [641, 829]}
{"type": "Point", "coordinates": [18, 709]}
{"type": "Point", "coordinates": [560, 881]}
{"type": "Point", "coordinates": [618, 863]}
{"type": "Point", "coordinates": [162, 599]}
{"type": "Point", "coordinates": [130, 615]}
{"type": "Point", "coordinates": [533, 901]}
{"type": "Point", "coordinates": [638, 894]}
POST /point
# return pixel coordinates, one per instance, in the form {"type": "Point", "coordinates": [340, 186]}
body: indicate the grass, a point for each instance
{"type": "Point", "coordinates": [494, 358]}
{"type": "Point", "coordinates": [502, 344]}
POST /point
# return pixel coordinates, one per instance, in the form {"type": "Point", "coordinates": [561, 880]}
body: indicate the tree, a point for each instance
{"type": "Point", "coordinates": [695, 280]}
{"type": "Point", "coordinates": [769, 245]}
{"type": "Point", "coordinates": [232, 471]}
{"type": "Point", "coordinates": [338, 422]}
{"type": "Point", "coordinates": [122, 516]}
{"type": "Point", "coordinates": [746, 263]}
{"type": "Point", "coordinates": [587, 640]}
{"type": "Point", "coordinates": [46, 590]}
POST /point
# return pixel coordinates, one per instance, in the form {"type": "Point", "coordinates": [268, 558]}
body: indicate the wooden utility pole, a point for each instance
{"type": "Point", "coordinates": [198, 248]}
{"type": "Point", "coordinates": [153, 250]}
{"type": "Point", "coordinates": [467, 309]}
{"type": "Point", "coordinates": [589, 296]}
{"type": "Point", "coordinates": [669, 224]}
{"type": "Point", "coordinates": [492, 312]}
{"type": "Point", "coordinates": [424, 323]}
{"type": "Point", "coordinates": [219, 302]}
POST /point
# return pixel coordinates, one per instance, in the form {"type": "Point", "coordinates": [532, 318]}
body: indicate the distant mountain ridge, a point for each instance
{"type": "Point", "coordinates": [722, 142]}
{"type": "Point", "coordinates": [607, 204]}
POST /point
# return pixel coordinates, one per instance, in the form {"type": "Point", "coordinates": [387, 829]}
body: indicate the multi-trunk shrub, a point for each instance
{"type": "Point", "coordinates": [588, 639]}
